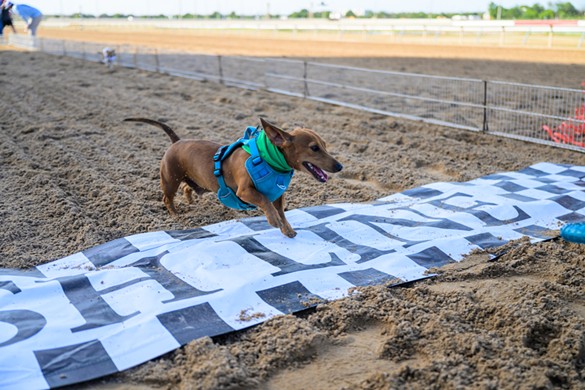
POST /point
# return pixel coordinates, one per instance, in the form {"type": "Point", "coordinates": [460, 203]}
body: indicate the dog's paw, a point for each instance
{"type": "Point", "coordinates": [290, 233]}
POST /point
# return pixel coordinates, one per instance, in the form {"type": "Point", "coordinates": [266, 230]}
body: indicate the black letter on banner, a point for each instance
{"type": "Point", "coordinates": [97, 312]}
{"type": "Point", "coordinates": [437, 223]}
{"type": "Point", "coordinates": [70, 364]}
{"type": "Point", "coordinates": [370, 221]}
{"type": "Point", "coordinates": [286, 265]}
{"type": "Point", "coordinates": [440, 203]}
{"type": "Point", "coordinates": [489, 220]}
{"type": "Point", "coordinates": [482, 215]}
{"type": "Point", "coordinates": [89, 302]}
{"type": "Point", "coordinates": [366, 253]}
{"type": "Point", "coordinates": [177, 286]}
{"type": "Point", "coordinates": [27, 322]}
{"type": "Point", "coordinates": [10, 286]}
{"type": "Point", "coordinates": [109, 252]}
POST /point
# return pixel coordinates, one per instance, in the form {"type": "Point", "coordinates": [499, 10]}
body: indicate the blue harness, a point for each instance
{"type": "Point", "coordinates": [268, 181]}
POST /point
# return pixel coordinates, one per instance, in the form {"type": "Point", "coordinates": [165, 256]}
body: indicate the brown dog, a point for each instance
{"type": "Point", "coordinates": [191, 161]}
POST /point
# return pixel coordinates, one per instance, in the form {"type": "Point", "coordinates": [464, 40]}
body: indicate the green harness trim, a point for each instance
{"type": "Point", "coordinates": [269, 153]}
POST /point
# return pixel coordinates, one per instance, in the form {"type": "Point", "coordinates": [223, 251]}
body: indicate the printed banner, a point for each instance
{"type": "Point", "coordinates": [130, 300]}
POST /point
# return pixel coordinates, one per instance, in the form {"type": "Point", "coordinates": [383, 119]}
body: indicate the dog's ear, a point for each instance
{"type": "Point", "coordinates": [277, 136]}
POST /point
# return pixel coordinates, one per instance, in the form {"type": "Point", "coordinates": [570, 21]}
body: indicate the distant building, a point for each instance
{"type": "Point", "coordinates": [335, 16]}
{"type": "Point", "coordinates": [465, 17]}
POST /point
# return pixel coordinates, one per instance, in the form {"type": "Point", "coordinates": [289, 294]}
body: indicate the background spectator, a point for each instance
{"type": "Point", "coordinates": [5, 19]}
{"type": "Point", "coordinates": [30, 15]}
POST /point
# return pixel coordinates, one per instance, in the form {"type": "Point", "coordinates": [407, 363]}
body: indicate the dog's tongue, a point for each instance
{"type": "Point", "coordinates": [317, 172]}
{"type": "Point", "coordinates": [320, 174]}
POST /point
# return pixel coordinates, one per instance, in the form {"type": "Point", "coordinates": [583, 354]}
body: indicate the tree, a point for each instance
{"type": "Point", "coordinates": [563, 10]}
{"type": "Point", "coordinates": [322, 15]}
{"type": "Point", "coordinates": [493, 10]}
{"type": "Point", "coordinates": [350, 14]}
{"type": "Point", "coordinates": [534, 12]}
{"type": "Point", "coordinates": [566, 10]}
{"type": "Point", "coordinates": [304, 13]}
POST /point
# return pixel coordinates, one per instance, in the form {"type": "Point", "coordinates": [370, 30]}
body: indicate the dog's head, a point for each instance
{"type": "Point", "coordinates": [304, 150]}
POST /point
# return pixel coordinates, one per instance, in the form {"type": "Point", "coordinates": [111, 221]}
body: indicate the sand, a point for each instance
{"type": "Point", "coordinates": [73, 175]}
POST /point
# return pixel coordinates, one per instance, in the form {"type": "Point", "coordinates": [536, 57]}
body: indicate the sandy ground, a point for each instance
{"type": "Point", "coordinates": [73, 175]}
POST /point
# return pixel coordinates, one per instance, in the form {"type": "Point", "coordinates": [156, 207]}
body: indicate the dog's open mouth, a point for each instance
{"type": "Point", "coordinates": [316, 172]}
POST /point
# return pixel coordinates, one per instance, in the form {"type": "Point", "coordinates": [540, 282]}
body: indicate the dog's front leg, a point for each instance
{"type": "Point", "coordinates": [250, 195]}
{"type": "Point", "coordinates": [286, 229]}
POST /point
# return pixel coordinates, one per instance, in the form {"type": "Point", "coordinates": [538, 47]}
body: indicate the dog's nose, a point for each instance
{"type": "Point", "coordinates": [338, 167]}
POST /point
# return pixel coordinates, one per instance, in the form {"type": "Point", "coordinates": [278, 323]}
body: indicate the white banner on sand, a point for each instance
{"type": "Point", "coordinates": [125, 302]}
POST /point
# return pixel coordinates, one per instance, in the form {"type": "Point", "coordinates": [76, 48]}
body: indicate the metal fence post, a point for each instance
{"type": "Point", "coordinates": [156, 61]}
{"type": "Point", "coordinates": [306, 86]}
{"type": "Point", "coordinates": [485, 127]}
{"type": "Point", "coordinates": [525, 40]}
{"type": "Point", "coordinates": [220, 69]}
{"type": "Point", "coordinates": [478, 36]}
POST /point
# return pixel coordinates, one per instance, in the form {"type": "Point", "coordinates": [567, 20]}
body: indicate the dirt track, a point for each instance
{"type": "Point", "coordinates": [74, 176]}
{"type": "Point", "coordinates": [557, 67]}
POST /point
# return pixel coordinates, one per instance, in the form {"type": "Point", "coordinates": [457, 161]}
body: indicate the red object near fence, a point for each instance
{"type": "Point", "coordinates": [566, 132]}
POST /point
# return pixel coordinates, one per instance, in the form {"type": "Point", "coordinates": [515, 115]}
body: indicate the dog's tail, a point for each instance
{"type": "Point", "coordinates": [174, 137]}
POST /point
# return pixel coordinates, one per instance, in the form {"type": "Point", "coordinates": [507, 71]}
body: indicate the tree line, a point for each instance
{"type": "Point", "coordinates": [563, 10]}
{"type": "Point", "coordinates": [560, 10]}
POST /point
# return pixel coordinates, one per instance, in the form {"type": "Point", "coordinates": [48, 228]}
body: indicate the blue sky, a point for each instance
{"type": "Point", "coordinates": [256, 7]}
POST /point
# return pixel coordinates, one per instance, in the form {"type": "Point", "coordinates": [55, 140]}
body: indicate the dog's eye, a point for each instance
{"type": "Point", "coordinates": [315, 148]}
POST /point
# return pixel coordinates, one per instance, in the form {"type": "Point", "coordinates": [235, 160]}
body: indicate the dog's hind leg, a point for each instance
{"type": "Point", "coordinates": [187, 192]}
{"type": "Point", "coordinates": [188, 186]}
{"type": "Point", "coordinates": [169, 184]}
{"type": "Point", "coordinates": [169, 196]}
{"type": "Point", "coordinates": [195, 187]}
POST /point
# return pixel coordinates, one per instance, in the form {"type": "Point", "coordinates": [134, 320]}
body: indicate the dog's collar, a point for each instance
{"type": "Point", "coordinates": [270, 153]}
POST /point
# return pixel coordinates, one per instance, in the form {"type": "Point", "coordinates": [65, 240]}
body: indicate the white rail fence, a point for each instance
{"type": "Point", "coordinates": [547, 115]}
{"type": "Point", "coordinates": [532, 33]}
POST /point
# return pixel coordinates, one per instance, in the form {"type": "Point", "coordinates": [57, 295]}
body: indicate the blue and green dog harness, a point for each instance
{"type": "Point", "coordinates": [270, 182]}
